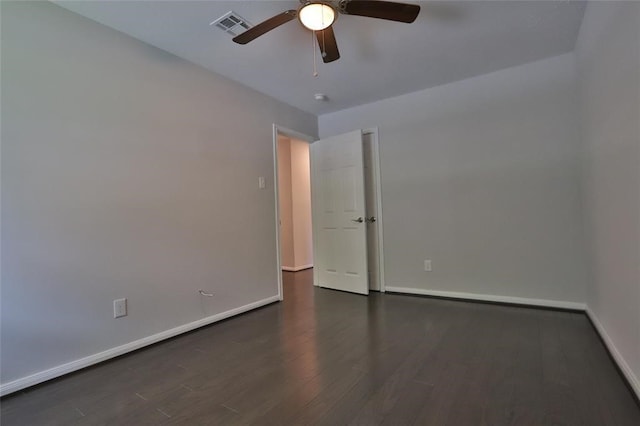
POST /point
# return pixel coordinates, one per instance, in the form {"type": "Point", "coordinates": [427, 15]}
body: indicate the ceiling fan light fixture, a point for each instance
{"type": "Point", "coordinates": [317, 16]}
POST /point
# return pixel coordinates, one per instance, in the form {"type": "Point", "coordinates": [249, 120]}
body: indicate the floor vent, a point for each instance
{"type": "Point", "coordinates": [232, 23]}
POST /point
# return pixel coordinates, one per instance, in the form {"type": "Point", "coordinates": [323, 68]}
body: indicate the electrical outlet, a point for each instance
{"type": "Point", "coordinates": [119, 308]}
{"type": "Point", "coordinates": [427, 265]}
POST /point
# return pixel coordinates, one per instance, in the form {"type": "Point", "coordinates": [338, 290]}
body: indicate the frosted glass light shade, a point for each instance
{"type": "Point", "coordinates": [316, 16]}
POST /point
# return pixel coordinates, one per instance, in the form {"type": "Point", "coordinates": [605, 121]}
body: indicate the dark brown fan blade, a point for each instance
{"type": "Point", "coordinates": [400, 12]}
{"type": "Point", "coordinates": [328, 45]}
{"type": "Point", "coordinates": [265, 26]}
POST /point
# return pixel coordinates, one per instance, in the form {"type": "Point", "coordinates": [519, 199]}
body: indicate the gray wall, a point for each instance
{"type": "Point", "coordinates": [126, 172]}
{"type": "Point", "coordinates": [482, 177]}
{"type": "Point", "coordinates": [608, 53]}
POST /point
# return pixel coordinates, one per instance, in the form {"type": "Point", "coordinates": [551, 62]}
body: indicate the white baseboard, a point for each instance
{"type": "Point", "coordinates": [491, 298]}
{"type": "Point", "coordinates": [52, 373]}
{"type": "Point", "coordinates": [296, 268]}
{"type": "Point", "coordinates": [626, 370]}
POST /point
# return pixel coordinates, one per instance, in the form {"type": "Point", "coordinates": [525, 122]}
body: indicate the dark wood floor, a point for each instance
{"type": "Point", "coordinates": [329, 358]}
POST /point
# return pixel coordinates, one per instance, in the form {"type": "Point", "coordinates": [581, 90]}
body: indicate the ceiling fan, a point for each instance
{"type": "Point", "coordinates": [318, 16]}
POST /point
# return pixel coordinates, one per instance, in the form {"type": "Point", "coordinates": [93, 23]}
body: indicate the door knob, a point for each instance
{"type": "Point", "coordinates": [359, 220]}
{"type": "Point", "coordinates": [370, 219]}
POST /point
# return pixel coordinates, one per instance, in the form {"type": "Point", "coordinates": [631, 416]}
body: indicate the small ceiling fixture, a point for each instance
{"type": "Point", "coordinates": [316, 16]}
{"type": "Point", "coordinates": [321, 97]}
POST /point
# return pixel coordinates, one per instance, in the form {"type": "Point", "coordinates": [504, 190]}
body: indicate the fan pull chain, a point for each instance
{"type": "Point", "coordinates": [313, 48]}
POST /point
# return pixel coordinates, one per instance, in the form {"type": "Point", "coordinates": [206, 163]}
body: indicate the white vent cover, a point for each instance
{"type": "Point", "coordinates": [232, 23]}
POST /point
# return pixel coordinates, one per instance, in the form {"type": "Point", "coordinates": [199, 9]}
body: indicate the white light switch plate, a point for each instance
{"type": "Point", "coordinates": [119, 308]}
{"type": "Point", "coordinates": [261, 184]}
{"type": "Point", "coordinates": [427, 265]}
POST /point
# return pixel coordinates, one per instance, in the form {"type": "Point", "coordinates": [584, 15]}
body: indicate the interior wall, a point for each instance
{"type": "Point", "coordinates": [287, 255]}
{"type": "Point", "coordinates": [126, 172]}
{"type": "Point", "coordinates": [482, 177]}
{"type": "Point", "coordinates": [608, 57]}
{"type": "Point", "coordinates": [301, 204]}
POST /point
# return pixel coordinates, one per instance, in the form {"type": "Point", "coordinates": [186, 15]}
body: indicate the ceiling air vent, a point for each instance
{"type": "Point", "coordinates": [232, 23]}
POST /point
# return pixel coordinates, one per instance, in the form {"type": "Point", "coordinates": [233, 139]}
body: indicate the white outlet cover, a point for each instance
{"type": "Point", "coordinates": [427, 265]}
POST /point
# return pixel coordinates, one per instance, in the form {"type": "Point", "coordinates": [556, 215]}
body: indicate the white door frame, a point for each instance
{"type": "Point", "coordinates": [375, 159]}
{"type": "Point", "coordinates": [281, 130]}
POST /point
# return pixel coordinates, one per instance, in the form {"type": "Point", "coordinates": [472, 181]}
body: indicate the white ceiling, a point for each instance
{"type": "Point", "coordinates": [450, 40]}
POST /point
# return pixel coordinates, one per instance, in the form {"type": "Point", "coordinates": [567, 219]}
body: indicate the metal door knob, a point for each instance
{"type": "Point", "coordinates": [370, 219]}
{"type": "Point", "coordinates": [359, 220]}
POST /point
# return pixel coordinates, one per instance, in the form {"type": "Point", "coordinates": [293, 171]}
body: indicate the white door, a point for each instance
{"type": "Point", "coordinates": [340, 231]}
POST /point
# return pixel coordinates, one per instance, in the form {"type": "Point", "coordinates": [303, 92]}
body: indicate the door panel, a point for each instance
{"type": "Point", "coordinates": [340, 257]}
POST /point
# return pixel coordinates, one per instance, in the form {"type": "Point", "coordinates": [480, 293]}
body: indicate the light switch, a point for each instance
{"type": "Point", "coordinates": [261, 182]}
{"type": "Point", "coordinates": [427, 265]}
{"type": "Point", "coordinates": [119, 308]}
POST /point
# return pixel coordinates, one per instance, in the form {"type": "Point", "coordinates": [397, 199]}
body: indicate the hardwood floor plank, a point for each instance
{"type": "Point", "coordinates": [297, 401]}
{"type": "Point", "coordinates": [324, 357]}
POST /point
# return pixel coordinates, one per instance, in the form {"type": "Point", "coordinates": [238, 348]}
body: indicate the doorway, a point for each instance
{"type": "Point", "coordinates": [294, 200]}
{"type": "Point", "coordinates": [294, 204]}
{"type": "Point", "coordinates": [292, 177]}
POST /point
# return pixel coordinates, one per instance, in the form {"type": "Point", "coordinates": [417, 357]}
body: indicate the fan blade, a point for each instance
{"type": "Point", "coordinates": [265, 26]}
{"type": "Point", "coordinates": [328, 45]}
{"type": "Point", "coordinates": [400, 12]}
